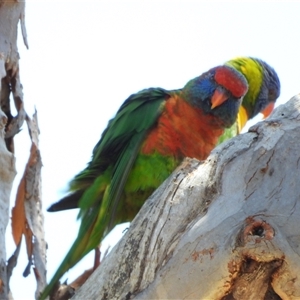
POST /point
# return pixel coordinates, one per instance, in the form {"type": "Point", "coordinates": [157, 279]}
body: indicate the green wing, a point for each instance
{"type": "Point", "coordinates": [113, 158]}
{"type": "Point", "coordinates": [104, 178]}
{"type": "Point", "coordinates": [117, 149]}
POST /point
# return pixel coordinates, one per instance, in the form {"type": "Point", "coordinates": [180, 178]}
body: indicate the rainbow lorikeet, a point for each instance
{"type": "Point", "coordinates": [264, 89]}
{"type": "Point", "coordinates": [152, 132]}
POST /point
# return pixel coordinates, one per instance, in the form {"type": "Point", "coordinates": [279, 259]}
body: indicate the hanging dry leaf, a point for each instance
{"type": "Point", "coordinates": [27, 218]}
{"type": "Point", "coordinates": [18, 214]}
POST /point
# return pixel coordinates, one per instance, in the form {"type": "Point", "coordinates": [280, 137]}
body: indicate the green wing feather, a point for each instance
{"type": "Point", "coordinates": [113, 158]}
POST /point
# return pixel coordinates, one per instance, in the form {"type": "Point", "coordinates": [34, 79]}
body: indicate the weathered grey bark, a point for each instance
{"type": "Point", "coordinates": [11, 12]}
{"type": "Point", "coordinates": [27, 218]}
{"type": "Point", "coordinates": [9, 82]}
{"type": "Point", "coordinates": [7, 175]}
{"type": "Point", "coordinates": [227, 228]}
{"type": "Point", "coordinates": [34, 219]}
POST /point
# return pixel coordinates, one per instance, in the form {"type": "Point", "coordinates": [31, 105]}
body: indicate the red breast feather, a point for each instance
{"type": "Point", "coordinates": [182, 131]}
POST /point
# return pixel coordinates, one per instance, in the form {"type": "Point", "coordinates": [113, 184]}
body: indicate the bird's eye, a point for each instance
{"type": "Point", "coordinates": [272, 94]}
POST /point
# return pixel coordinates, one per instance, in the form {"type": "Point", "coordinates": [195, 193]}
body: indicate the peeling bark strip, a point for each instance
{"type": "Point", "coordinates": [226, 228]}
{"type": "Point", "coordinates": [7, 175]}
{"type": "Point", "coordinates": [11, 12]}
{"type": "Point", "coordinates": [27, 218]}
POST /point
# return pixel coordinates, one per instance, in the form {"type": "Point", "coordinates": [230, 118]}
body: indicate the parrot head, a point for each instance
{"type": "Point", "coordinates": [217, 92]}
{"type": "Point", "coordinates": [269, 92]}
{"type": "Point", "coordinates": [264, 88]}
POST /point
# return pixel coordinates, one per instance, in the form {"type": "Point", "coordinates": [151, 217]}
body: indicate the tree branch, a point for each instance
{"type": "Point", "coordinates": [226, 228]}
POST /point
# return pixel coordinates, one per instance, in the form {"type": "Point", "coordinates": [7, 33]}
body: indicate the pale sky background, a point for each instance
{"type": "Point", "coordinates": [85, 58]}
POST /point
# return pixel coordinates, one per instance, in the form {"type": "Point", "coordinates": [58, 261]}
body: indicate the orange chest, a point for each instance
{"type": "Point", "coordinates": [182, 131]}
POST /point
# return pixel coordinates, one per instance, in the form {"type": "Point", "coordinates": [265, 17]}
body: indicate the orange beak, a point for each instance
{"type": "Point", "coordinates": [267, 111]}
{"type": "Point", "coordinates": [218, 98]}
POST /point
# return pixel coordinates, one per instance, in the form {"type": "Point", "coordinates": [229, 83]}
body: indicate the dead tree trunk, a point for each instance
{"type": "Point", "coordinates": [27, 218]}
{"type": "Point", "coordinates": [226, 228]}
